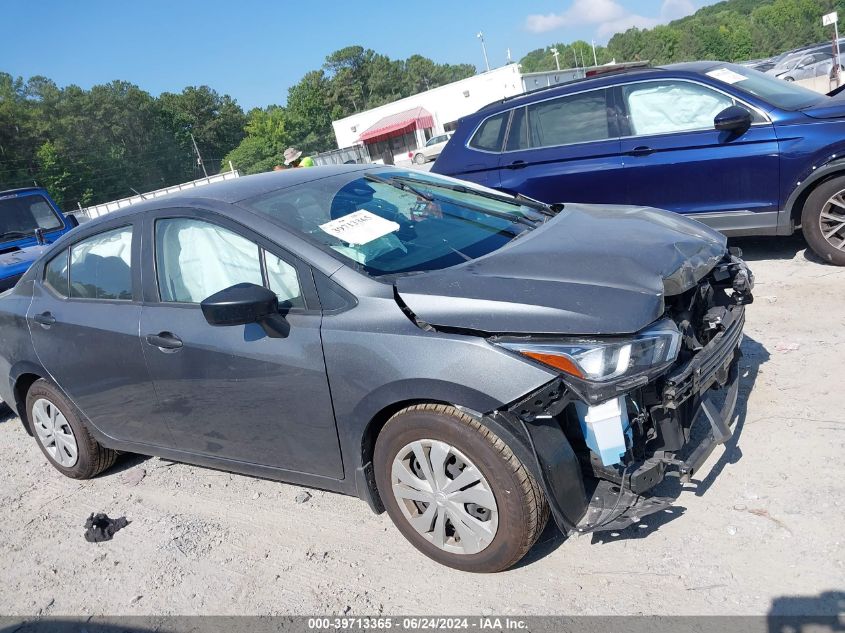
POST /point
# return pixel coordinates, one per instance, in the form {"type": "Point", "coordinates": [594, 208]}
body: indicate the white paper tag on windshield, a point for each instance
{"type": "Point", "coordinates": [726, 75]}
{"type": "Point", "coordinates": [359, 227]}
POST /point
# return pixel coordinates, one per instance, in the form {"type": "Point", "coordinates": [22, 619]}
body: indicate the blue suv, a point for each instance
{"type": "Point", "coordinates": [741, 151]}
{"type": "Point", "coordinates": [29, 221]}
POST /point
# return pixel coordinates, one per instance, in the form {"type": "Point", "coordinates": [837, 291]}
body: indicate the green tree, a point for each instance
{"type": "Point", "coordinates": [265, 142]}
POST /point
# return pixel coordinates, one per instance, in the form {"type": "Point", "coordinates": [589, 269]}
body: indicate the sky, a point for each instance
{"type": "Point", "coordinates": [254, 50]}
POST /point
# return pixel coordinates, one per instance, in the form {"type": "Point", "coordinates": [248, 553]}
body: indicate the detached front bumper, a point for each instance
{"type": "Point", "coordinates": [584, 497]}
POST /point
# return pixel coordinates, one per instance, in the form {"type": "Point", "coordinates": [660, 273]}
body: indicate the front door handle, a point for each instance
{"type": "Point", "coordinates": [517, 164]}
{"type": "Point", "coordinates": [45, 318]}
{"type": "Point", "coordinates": [641, 150]}
{"type": "Point", "coordinates": [164, 340]}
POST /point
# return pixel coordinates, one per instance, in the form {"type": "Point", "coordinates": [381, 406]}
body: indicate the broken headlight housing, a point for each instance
{"type": "Point", "coordinates": [603, 360]}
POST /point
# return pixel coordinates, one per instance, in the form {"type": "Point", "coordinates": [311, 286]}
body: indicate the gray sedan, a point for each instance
{"type": "Point", "coordinates": [468, 361]}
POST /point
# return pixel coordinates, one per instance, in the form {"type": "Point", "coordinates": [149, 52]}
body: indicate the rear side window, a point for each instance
{"type": "Point", "coordinates": [518, 136]}
{"type": "Point", "coordinates": [56, 274]}
{"type": "Point", "coordinates": [491, 134]}
{"type": "Point", "coordinates": [100, 266]}
{"type": "Point", "coordinates": [579, 118]}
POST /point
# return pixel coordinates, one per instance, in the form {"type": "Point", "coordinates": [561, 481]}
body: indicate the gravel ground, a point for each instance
{"type": "Point", "coordinates": [760, 533]}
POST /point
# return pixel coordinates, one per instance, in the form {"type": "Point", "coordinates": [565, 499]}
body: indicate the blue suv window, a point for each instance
{"type": "Point", "coordinates": [578, 118]}
{"type": "Point", "coordinates": [491, 134]}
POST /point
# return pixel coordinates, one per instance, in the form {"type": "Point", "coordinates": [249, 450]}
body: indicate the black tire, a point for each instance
{"type": "Point", "coordinates": [92, 458]}
{"type": "Point", "coordinates": [810, 221]}
{"type": "Point", "coordinates": [522, 507]}
{"type": "Point", "coordinates": [419, 159]}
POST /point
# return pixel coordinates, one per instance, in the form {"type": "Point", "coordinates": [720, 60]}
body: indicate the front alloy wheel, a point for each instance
{"type": "Point", "coordinates": [823, 220]}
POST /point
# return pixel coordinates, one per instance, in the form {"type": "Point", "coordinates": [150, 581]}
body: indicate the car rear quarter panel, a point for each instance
{"type": "Point", "coordinates": [16, 353]}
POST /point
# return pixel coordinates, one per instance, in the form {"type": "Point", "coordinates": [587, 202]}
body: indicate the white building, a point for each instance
{"type": "Point", "coordinates": [402, 126]}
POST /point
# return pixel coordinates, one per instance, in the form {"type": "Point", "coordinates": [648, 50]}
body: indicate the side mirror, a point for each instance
{"type": "Point", "coordinates": [72, 221]}
{"type": "Point", "coordinates": [733, 119]}
{"type": "Point", "coordinates": [245, 303]}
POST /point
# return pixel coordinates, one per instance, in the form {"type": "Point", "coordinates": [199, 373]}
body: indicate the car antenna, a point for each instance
{"type": "Point", "coordinates": [143, 197]}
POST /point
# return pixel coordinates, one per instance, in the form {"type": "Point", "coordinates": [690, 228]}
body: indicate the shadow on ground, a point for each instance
{"type": "Point", "coordinates": [824, 613]}
{"type": "Point", "coordinates": [767, 248]}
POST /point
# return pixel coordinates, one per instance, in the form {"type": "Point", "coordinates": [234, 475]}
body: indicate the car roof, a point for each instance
{"type": "Point", "coordinates": [9, 192]}
{"type": "Point", "coordinates": [602, 80]}
{"type": "Point", "coordinates": [235, 189]}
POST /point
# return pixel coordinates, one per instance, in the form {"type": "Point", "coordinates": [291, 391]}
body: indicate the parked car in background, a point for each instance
{"type": "Point", "coordinates": [737, 149]}
{"type": "Point", "coordinates": [466, 360]}
{"type": "Point", "coordinates": [804, 66]}
{"type": "Point", "coordinates": [29, 221]}
{"type": "Point", "coordinates": [432, 148]}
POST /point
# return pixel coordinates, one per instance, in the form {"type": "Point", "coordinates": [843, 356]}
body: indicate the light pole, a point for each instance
{"type": "Point", "coordinates": [555, 54]}
{"type": "Point", "coordinates": [484, 50]}
{"type": "Point", "coordinates": [595, 59]}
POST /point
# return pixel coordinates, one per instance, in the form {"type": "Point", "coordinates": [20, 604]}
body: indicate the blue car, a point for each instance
{"type": "Point", "coordinates": [29, 221]}
{"type": "Point", "coordinates": [739, 150]}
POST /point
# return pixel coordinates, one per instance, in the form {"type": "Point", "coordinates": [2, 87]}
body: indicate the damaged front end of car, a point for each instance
{"type": "Point", "coordinates": [618, 418]}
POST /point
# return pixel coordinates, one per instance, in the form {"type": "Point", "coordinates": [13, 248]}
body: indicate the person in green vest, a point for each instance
{"type": "Point", "coordinates": [294, 158]}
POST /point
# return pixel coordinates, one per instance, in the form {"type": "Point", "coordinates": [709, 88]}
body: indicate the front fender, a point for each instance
{"type": "Point", "coordinates": [794, 203]}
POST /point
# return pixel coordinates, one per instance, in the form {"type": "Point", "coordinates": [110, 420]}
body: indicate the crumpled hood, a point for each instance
{"type": "Point", "coordinates": [593, 269]}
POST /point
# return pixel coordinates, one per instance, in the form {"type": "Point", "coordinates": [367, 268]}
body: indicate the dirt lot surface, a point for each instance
{"type": "Point", "coordinates": [761, 532]}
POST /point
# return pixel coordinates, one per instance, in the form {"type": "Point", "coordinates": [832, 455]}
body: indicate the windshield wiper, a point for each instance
{"type": "Point", "coordinates": [510, 217]}
{"type": "Point", "coordinates": [16, 234]}
{"type": "Point", "coordinates": [540, 207]}
{"type": "Point", "coordinates": [392, 182]}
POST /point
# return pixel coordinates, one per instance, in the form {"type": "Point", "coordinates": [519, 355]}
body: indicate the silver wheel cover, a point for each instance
{"type": "Point", "coordinates": [444, 497]}
{"type": "Point", "coordinates": [832, 221]}
{"type": "Point", "coordinates": [54, 433]}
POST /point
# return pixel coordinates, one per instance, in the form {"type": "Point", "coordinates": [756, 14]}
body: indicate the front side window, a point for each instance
{"type": "Point", "coordinates": [579, 118]}
{"type": "Point", "coordinates": [101, 266]}
{"type": "Point", "coordinates": [195, 259]}
{"type": "Point", "coordinates": [661, 107]}
{"type": "Point", "coordinates": [21, 215]}
{"type": "Point", "coordinates": [395, 221]}
{"type": "Point", "coordinates": [490, 134]}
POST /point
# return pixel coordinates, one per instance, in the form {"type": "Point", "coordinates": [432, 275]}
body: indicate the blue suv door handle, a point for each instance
{"type": "Point", "coordinates": [517, 164]}
{"type": "Point", "coordinates": [641, 150]}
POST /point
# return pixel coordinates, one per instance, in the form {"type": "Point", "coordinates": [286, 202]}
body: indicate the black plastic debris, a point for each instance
{"type": "Point", "coordinates": [99, 527]}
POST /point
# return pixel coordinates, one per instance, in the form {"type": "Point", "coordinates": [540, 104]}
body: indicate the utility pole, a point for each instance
{"type": "Point", "coordinates": [199, 156]}
{"type": "Point", "coordinates": [595, 59]}
{"type": "Point", "coordinates": [555, 54]}
{"type": "Point", "coordinates": [484, 50]}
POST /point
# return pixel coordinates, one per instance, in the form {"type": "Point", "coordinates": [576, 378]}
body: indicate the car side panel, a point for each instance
{"type": "Point", "coordinates": [394, 361]}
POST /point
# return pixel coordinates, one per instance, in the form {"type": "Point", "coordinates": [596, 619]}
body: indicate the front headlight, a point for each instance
{"type": "Point", "coordinates": [603, 360]}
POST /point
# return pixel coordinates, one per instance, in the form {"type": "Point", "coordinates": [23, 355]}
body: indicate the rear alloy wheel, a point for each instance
{"type": "Point", "coordinates": [419, 159]}
{"type": "Point", "coordinates": [61, 436]}
{"type": "Point", "coordinates": [823, 221]}
{"type": "Point", "coordinates": [456, 491]}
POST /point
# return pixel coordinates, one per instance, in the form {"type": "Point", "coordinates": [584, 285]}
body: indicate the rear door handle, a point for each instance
{"type": "Point", "coordinates": [517, 164]}
{"type": "Point", "coordinates": [45, 318]}
{"type": "Point", "coordinates": [164, 340]}
{"type": "Point", "coordinates": [641, 150]}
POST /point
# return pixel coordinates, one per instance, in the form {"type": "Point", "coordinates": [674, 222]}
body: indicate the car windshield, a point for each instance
{"type": "Point", "coordinates": [781, 94]}
{"type": "Point", "coordinates": [21, 215]}
{"type": "Point", "coordinates": [390, 221]}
